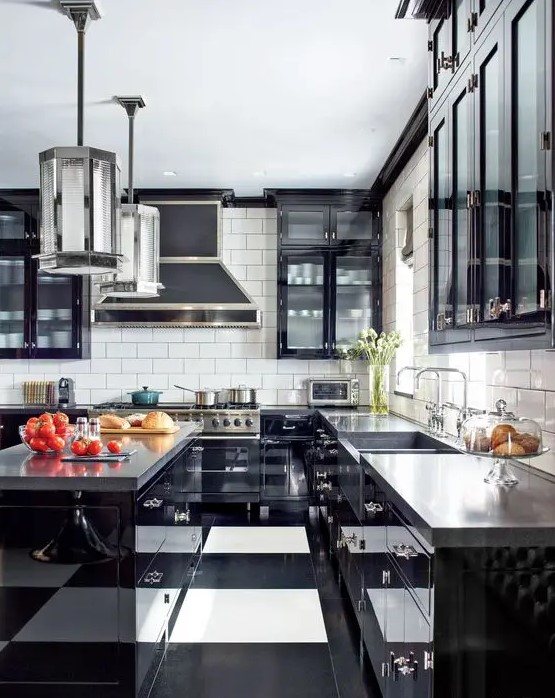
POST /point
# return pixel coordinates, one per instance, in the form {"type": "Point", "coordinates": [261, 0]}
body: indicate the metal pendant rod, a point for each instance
{"type": "Point", "coordinates": [131, 106]}
{"type": "Point", "coordinates": [81, 12]}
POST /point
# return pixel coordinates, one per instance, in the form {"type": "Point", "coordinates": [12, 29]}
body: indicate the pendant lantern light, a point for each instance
{"type": "Point", "coordinates": [79, 188]}
{"type": "Point", "coordinates": [140, 234]}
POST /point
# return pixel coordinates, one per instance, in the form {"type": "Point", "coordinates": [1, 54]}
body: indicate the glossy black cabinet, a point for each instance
{"type": "Point", "coordinates": [490, 198]}
{"type": "Point", "coordinates": [326, 297]}
{"type": "Point", "coordinates": [306, 224]}
{"type": "Point", "coordinates": [42, 316]}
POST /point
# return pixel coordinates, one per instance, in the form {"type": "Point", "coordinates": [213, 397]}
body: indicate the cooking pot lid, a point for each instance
{"type": "Point", "coordinates": [145, 389]}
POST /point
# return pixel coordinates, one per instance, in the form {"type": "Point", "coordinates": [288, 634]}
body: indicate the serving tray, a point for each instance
{"type": "Point", "coordinates": [140, 431]}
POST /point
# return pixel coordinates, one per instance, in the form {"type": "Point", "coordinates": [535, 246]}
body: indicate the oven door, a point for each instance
{"type": "Point", "coordinates": [230, 465]}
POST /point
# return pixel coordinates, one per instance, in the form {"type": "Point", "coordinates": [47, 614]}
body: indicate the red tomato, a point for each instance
{"type": "Point", "coordinates": [79, 447]}
{"type": "Point", "coordinates": [38, 444]}
{"type": "Point", "coordinates": [114, 446]}
{"type": "Point", "coordinates": [60, 418]}
{"type": "Point", "coordinates": [31, 430]}
{"type": "Point", "coordinates": [32, 420]}
{"type": "Point", "coordinates": [56, 443]}
{"type": "Point", "coordinates": [27, 438]}
{"type": "Point", "coordinates": [47, 430]}
{"type": "Point", "coordinates": [45, 417]}
{"type": "Point", "coordinates": [94, 447]}
{"type": "Point", "coordinates": [66, 430]}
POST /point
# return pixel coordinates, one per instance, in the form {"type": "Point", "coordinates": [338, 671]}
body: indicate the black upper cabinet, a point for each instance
{"type": "Point", "coordinates": [189, 228]}
{"type": "Point", "coordinates": [491, 190]}
{"type": "Point", "coordinates": [326, 224]}
{"type": "Point", "coordinates": [42, 316]}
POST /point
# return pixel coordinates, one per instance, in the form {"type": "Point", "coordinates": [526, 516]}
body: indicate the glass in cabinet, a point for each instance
{"type": "Point", "coordinates": [18, 221]}
{"type": "Point", "coordinates": [305, 224]}
{"type": "Point", "coordinates": [14, 336]}
{"type": "Point", "coordinates": [351, 223]}
{"type": "Point", "coordinates": [303, 303]}
{"type": "Point", "coordinates": [353, 276]}
{"type": "Point", "coordinates": [57, 315]}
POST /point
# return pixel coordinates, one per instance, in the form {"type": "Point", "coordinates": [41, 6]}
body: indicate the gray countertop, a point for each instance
{"type": "Point", "coordinates": [347, 421]}
{"type": "Point", "coordinates": [446, 499]}
{"type": "Point", "coordinates": [22, 470]}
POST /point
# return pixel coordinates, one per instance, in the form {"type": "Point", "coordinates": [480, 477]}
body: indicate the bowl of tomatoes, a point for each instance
{"type": "Point", "coordinates": [47, 433]}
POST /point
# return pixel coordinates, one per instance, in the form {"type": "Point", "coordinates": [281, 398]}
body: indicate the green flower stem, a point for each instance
{"type": "Point", "coordinates": [379, 402]}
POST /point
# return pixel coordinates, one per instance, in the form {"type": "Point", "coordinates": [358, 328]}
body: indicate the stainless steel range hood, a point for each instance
{"type": "Point", "coordinates": [198, 291]}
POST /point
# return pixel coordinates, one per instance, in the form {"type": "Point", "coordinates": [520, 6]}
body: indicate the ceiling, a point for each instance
{"type": "Point", "coordinates": [244, 95]}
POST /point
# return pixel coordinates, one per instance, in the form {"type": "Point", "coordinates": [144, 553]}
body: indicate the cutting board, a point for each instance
{"type": "Point", "coordinates": [139, 431]}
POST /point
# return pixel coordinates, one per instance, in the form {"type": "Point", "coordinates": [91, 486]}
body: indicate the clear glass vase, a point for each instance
{"type": "Point", "coordinates": [378, 385]}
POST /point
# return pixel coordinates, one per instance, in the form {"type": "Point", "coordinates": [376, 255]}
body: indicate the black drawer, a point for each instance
{"type": "Point", "coordinates": [288, 426]}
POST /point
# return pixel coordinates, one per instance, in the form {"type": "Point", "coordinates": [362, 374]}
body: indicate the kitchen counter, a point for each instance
{"type": "Point", "coordinates": [22, 470]}
{"type": "Point", "coordinates": [446, 499]}
{"type": "Point", "coordinates": [347, 421]}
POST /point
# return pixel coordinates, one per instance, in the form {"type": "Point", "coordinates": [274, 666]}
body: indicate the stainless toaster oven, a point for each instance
{"type": "Point", "coordinates": [333, 392]}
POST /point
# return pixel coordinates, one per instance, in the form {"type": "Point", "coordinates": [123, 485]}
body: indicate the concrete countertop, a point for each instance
{"type": "Point", "coordinates": [22, 470]}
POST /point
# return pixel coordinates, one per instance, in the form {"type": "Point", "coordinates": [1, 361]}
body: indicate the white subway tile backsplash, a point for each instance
{"type": "Point", "coordinates": [250, 380]}
{"type": "Point", "coordinates": [106, 366]}
{"type": "Point", "coordinates": [198, 334]}
{"type": "Point", "coordinates": [198, 366]}
{"type": "Point", "coordinates": [98, 350]}
{"type": "Point", "coordinates": [188, 351]}
{"type": "Point", "coordinates": [262, 366]}
{"type": "Point", "coordinates": [137, 366]}
{"type": "Point", "coordinates": [105, 334]}
{"type": "Point", "coordinates": [531, 403]}
{"type": "Point", "coordinates": [118, 351]}
{"type": "Point", "coordinates": [158, 381]}
{"type": "Point", "coordinates": [215, 351]}
{"type": "Point", "coordinates": [267, 397]}
{"type": "Point", "coordinates": [231, 366]}
{"type": "Point", "coordinates": [119, 381]}
{"type": "Point", "coordinates": [246, 351]}
{"type": "Point", "coordinates": [261, 242]}
{"type": "Point", "coordinates": [267, 213]}
{"type": "Point", "coordinates": [93, 380]}
{"type": "Point", "coordinates": [136, 334]}
{"type": "Point", "coordinates": [154, 350]}
{"type": "Point", "coordinates": [270, 226]}
{"type": "Point", "coordinates": [244, 257]}
{"type": "Point", "coordinates": [235, 242]}
{"type": "Point", "coordinates": [277, 382]}
{"type": "Point", "coordinates": [292, 397]}
{"type": "Point", "coordinates": [167, 334]}
{"type": "Point", "coordinates": [247, 225]}
{"type": "Point", "coordinates": [293, 366]}
{"type": "Point", "coordinates": [83, 397]}
{"type": "Point", "coordinates": [234, 213]}
{"type": "Point", "coordinates": [214, 382]}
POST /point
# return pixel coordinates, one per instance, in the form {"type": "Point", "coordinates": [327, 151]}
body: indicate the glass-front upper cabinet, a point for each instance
{"type": "Point", "coordinates": [304, 306]}
{"type": "Point", "coordinates": [18, 221]}
{"type": "Point", "coordinates": [460, 36]}
{"type": "Point", "coordinates": [355, 279]}
{"type": "Point", "coordinates": [14, 330]}
{"type": "Point", "coordinates": [529, 140]}
{"type": "Point", "coordinates": [57, 315]}
{"type": "Point", "coordinates": [483, 12]}
{"type": "Point", "coordinates": [305, 224]}
{"type": "Point", "coordinates": [352, 224]}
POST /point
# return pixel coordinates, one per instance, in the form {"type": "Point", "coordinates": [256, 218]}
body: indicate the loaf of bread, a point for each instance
{"type": "Point", "coordinates": [157, 420]}
{"type": "Point", "coordinates": [112, 421]}
{"type": "Point", "coordinates": [136, 420]}
{"type": "Point", "coordinates": [502, 433]}
{"type": "Point", "coordinates": [529, 442]}
{"type": "Point", "coordinates": [508, 448]}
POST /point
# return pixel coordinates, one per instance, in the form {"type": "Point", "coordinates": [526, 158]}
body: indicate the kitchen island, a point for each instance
{"type": "Point", "coordinates": [94, 561]}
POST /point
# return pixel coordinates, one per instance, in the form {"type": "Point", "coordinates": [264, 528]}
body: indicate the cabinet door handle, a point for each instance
{"type": "Point", "coordinates": [373, 507]}
{"type": "Point", "coordinates": [325, 235]}
{"type": "Point", "coordinates": [402, 550]}
{"type": "Point", "coordinates": [288, 428]}
{"type": "Point", "coordinates": [153, 577]}
{"type": "Point", "coordinates": [153, 503]}
{"type": "Point", "coordinates": [333, 235]}
{"type": "Point", "coordinates": [182, 516]}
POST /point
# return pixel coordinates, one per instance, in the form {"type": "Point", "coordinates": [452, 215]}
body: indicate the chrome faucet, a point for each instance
{"type": "Point", "coordinates": [463, 410]}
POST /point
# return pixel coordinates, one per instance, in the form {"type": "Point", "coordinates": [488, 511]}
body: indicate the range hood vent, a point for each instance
{"type": "Point", "coordinates": [198, 292]}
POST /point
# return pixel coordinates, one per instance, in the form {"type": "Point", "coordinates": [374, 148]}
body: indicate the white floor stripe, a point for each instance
{"type": "Point", "coordinates": [257, 539]}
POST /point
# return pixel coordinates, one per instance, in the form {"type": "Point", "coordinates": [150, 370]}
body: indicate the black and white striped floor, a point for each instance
{"type": "Point", "coordinates": [264, 618]}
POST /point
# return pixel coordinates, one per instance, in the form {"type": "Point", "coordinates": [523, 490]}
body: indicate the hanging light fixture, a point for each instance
{"type": "Point", "coordinates": [140, 234]}
{"type": "Point", "coordinates": [79, 188]}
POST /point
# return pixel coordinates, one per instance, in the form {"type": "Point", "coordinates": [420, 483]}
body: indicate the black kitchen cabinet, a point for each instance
{"type": "Point", "coordinates": [42, 316]}
{"type": "Point", "coordinates": [318, 223]}
{"type": "Point", "coordinates": [326, 297]}
{"type": "Point", "coordinates": [491, 191]}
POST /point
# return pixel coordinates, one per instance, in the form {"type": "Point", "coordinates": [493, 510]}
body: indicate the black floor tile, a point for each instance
{"type": "Point", "coordinates": [18, 605]}
{"type": "Point", "coordinates": [255, 571]}
{"type": "Point", "coordinates": [246, 671]}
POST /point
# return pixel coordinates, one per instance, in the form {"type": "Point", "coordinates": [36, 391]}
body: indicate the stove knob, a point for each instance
{"type": "Point", "coordinates": [249, 422]}
{"type": "Point", "coordinates": [237, 422]}
{"type": "Point", "coordinates": [215, 422]}
{"type": "Point", "coordinates": [198, 419]}
{"type": "Point", "coordinates": [226, 422]}
{"type": "Point", "coordinates": [186, 418]}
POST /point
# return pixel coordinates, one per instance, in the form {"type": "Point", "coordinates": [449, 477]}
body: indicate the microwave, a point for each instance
{"type": "Point", "coordinates": [333, 392]}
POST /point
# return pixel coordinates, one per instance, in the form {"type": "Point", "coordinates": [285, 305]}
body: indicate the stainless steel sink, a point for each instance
{"type": "Point", "coordinates": [399, 442]}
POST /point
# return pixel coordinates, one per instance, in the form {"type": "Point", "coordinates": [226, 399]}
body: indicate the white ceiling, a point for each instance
{"type": "Point", "coordinates": [302, 91]}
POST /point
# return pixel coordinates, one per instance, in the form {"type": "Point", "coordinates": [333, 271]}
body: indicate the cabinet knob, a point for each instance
{"type": "Point", "coordinates": [373, 507]}
{"type": "Point", "coordinates": [182, 516]}
{"type": "Point", "coordinates": [153, 577]}
{"type": "Point", "coordinates": [405, 551]}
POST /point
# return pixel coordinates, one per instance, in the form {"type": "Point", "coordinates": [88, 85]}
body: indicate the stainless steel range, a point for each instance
{"type": "Point", "coordinates": [229, 469]}
{"type": "Point", "coordinates": [225, 419]}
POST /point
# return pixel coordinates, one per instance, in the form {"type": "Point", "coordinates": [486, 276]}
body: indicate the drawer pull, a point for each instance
{"type": "Point", "coordinates": [182, 516]}
{"type": "Point", "coordinates": [153, 503]}
{"type": "Point", "coordinates": [197, 449]}
{"type": "Point", "coordinates": [321, 486]}
{"type": "Point", "coordinates": [345, 541]}
{"type": "Point", "coordinates": [321, 476]}
{"type": "Point", "coordinates": [153, 577]}
{"type": "Point", "coordinates": [404, 666]}
{"type": "Point", "coordinates": [373, 507]}
{"type": "Point", "coordinates": [406, 551]}
{"type": "Point", "coordinates": [288, 428]}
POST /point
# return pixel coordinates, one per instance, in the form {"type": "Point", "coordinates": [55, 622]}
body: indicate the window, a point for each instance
{"type": "Point", "coordinates": [404, 292]}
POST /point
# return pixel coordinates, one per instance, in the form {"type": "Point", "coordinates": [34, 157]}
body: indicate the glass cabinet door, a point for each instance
{"type": "Point", "coordinates": [347, 224]}
{"type": "Point", "coordinates": [462, 10]}
{"type": "Point", "coordinates": [305, 224]}
{"type": "Point", "coordinates": [304, 307]}
{"type": "Point", "coordinates": [14, 336]}
{"type": "Point", "coordinates": [57, 315]}
{"type": "Point", "coordinates": [484, 10]}
{"type": "Point", "coordinates": [18, 221]}
{"type": "Point", "coordinates": [354, 281]}
{"type": "Point", "coordinates": [493, 245]}
{"type": "Point", "coordinates": [531, 274]}
{"type": "Point", "coordinates": [440, 72]}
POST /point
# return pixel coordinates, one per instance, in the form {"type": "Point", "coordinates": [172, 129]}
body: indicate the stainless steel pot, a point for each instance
{"type": "Point", "coordinates": [242, 395]}
{"type": "Point", "coordinates": [203, 398]}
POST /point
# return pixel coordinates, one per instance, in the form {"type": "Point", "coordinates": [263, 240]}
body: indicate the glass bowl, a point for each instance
{"type": "Point", "coordinates": [67, 437]}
